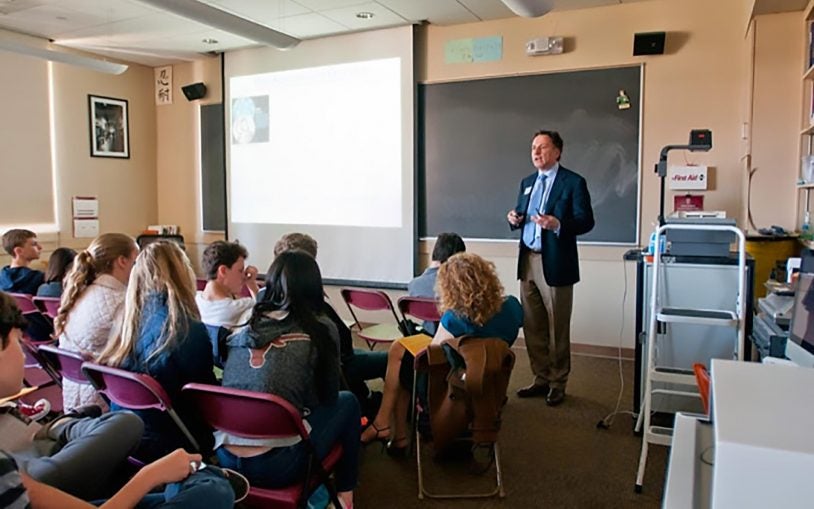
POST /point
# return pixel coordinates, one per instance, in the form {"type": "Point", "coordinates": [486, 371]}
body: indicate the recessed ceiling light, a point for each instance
{"type": "Point", "coordinates": [209, 40]}
{"type": "Point", "coordinates": [364, 15]}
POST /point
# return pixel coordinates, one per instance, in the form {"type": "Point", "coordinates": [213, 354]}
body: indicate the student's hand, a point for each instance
{"type": "Point", "coordinates": [250, 274]}
{"type": "Point", "coordinates": [174, 467]}
{"type": "Point", "coordinates": [514, 218]}
{"type": "Point", "coordinates": [250, 280]}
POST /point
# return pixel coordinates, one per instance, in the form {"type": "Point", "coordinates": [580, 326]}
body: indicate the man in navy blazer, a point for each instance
{"type": "Point", "coordinates": [553, 207]}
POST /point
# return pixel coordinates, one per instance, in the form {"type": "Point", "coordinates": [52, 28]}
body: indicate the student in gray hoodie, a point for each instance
{"type": "Point", "coordinates": [291, 349]}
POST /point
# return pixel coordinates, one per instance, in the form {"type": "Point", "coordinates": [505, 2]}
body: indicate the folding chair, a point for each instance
{"type": "Point", "coordinates": [438, 364]}
{"type": "Point", "coordinates": [200, 284]}
{"type": "Point", "coordinates": [372, 300]}
{"type": "Point", "coordinates": [40, 327]}
{"type": "Point", "coordinates": [48, 306]}
{"type": "Point", "coordinates": [67, 363]}
{"type": "Point", "coordinates": [423, 308]}
{"type": "Point", "coordinates": [251, 414]}
{"type": "Point", "coordinates": [134, 391]}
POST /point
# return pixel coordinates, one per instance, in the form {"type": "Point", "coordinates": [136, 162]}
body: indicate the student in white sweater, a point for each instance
{"type": "Point", "coordinates": [220, 304]}
{"type": "Point", "coordinates": [91, 304]}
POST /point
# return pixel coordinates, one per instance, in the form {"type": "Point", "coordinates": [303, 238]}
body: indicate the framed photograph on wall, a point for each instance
{"type": "Point", "coordinates": [109, 132]}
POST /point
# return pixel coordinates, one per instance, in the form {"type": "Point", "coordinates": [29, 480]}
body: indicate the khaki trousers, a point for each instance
{"type": "Point", "coordinates": [546, 323]}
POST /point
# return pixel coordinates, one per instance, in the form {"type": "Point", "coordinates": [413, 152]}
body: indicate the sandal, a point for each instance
{"type": "Point", "coordinates": [382, 434]}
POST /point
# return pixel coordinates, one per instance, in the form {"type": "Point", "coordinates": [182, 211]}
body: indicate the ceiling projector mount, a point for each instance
{"type": "Point", "coordinates": [529, 8]}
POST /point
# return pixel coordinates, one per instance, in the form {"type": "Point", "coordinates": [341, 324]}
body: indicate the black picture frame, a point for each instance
{"type": "Point", "coordinates": [109, 127]}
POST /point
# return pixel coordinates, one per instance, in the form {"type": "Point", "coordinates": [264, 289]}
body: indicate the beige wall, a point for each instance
{"type": "Point", "coordinates": [703, 80]}
{"type": "Point", "coordinates": [779, 42]}
{"type": "Point", "coordinates": [126, 188]}
{"type": "Point", "coordinates": [178, 154]}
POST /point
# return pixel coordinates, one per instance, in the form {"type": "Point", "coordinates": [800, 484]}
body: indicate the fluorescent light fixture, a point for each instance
{"type": "Point", "coordinates": [216, 18]}
{"type": "Point", "coordinates": [63, 57]}
{"type": "Point", "coordinates": [529, 8]}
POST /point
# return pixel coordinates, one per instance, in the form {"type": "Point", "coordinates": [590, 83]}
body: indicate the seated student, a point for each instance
{"type": "Point", "coordinates": [358, 365]}
{"type": "Point", "coordinates": [162, 336]}
{"type": "Point", "coordinates": [291, 349]}
{"type": "Point", "coordinates": [91, 304]}
{"type": "Point", "coordinates": [18, 277]}
{"type": "Point", "coordinates": [59, 264]}
{"type": "Point", "coordinates": [226, 272]}
{"type": "Point", "coordinates": [446, 245]}
{"type": "Point", "coordinates": [472, 303]}
{"type": "Point", "coordinates": [85, 453]}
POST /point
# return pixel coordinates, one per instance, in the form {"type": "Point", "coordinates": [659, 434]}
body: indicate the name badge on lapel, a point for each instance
{"type": "Point", "coordinates": [527, 191]}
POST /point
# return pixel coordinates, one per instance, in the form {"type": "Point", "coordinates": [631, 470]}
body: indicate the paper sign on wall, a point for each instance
{"type": "Point", "coordinates": [85, 228]}
{"type": "Point", "coordinates": [85, 206]}
{"type": "Point", "coordinates": [688, 177]}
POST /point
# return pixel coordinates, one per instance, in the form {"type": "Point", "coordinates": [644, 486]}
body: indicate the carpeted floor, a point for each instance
{"type": "Point", "coordinates": [552, 457]}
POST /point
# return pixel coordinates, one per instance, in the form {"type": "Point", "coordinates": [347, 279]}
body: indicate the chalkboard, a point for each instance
{"type": "Point", "coordinates": [213, 168]}
{"type": "Point", "coordinates": [475, 146]}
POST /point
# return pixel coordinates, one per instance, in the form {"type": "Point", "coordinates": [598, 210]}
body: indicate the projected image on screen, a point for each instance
{"type": "Point", "coordinates": [250, 120]}
{"type": "Point", "coordinates": [334, 150]}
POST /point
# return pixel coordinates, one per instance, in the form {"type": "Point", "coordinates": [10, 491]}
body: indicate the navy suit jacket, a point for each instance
{"type": "Point", "coordinates": [570, 202]}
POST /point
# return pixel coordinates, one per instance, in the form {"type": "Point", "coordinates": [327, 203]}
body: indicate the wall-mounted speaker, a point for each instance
{"type": "Point", "coordinates": [194, 91]}
{"type": "Point", "coordinates": [649, 43]}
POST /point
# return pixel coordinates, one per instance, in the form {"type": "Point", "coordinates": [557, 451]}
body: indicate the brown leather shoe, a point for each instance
{"type": "Point", "coordinates": [555, 397]}
{"type": "Point", "coordinates": [532, 391]}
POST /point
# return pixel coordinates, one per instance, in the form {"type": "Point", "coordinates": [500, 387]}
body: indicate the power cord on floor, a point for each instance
{"type": "Point", "coordinates": [607, 421]}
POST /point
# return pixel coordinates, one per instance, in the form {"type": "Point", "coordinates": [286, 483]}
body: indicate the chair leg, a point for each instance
{"type": "Point", "coordinates": [422, 491]}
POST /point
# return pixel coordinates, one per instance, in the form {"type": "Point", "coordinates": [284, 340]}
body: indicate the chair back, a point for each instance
{"type": "Point", "coordinates": [25, 302]}
{"type": "Point", "coordinates": [369, 300]}
{"type": "Point", "coordinates": [48, 306]}
{"type": "Point", "coordinates": [702, 380]}
{"type": "Point", "coordinates": [200, 284]}
{"type": "Point", "coordinates": [246, 414]}
{"type": "Point", "coordinates": [425, 309]}
{"type": "Point", "coordinates": [134, 391]}
{"type": "Point", "coordinates": [67, 363]}
{"type": "Point", "coordinates": [40, 326]}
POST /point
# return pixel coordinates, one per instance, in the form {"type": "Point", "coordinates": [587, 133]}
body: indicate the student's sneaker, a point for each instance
{"type": "Point", "coordinates": [36, 411]}
{"type": "Point", "coordinates": [240, 485]}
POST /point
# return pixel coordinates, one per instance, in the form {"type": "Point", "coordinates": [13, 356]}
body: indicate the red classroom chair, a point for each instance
{"type": "Point", "coordinates": [372, 300]}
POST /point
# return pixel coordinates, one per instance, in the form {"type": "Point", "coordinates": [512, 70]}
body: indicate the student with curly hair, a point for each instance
{"type": "Point", "coordinates": [472, 304]}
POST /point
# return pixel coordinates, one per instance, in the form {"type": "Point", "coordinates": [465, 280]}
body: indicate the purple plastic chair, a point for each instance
{"type": "Point", "coordinates": [251, 414]}
{"type": "Point", "coordinates": [134, 391]}
{"type": "Point", "coordinates": [48, 306]}
{"type": "Point", "coordinates": [67, 363]}
{"type": "Point", "coordinates": [423, 308]}
{"type": "Point", "coordinates": [372, 300]}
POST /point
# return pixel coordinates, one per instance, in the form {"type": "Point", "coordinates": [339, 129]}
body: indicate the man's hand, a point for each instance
{"type": "Point", "coordinates": [546, 222]}
{"type": "Point", "coordinates": [514, 218]}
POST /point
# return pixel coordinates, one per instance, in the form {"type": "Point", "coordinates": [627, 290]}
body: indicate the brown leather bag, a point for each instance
{"type": "Point", "coordinates": [470, 398]}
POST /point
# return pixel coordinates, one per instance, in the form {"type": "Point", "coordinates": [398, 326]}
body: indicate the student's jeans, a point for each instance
{"type": "Point", "coordinates": [206, 488]}
{"type": "Point", "coordinates": [284, 466]}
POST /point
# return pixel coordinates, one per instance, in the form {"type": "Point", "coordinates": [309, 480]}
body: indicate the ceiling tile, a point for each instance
{"type": "Point", "coordinates": [109, 10]}
{"type": "Point", "coordinates": [382, 16]}
{"type": "Point", "coordinates": [308, 26]}
{"type": "Point", "coordinates": [487, 9]}
{"type": "Point", "coordinates": [9, 6]}
{"type": "Point", "coordinates": [261, 11]}
{"type": "Point", "coordinates": [49, 20]}
{"type": "Point", "coordinates": [439, 12]}
{"type": "Point", "coordinates": [324, 5]}
{"type": "Point", "coordinates": [141, 28]}
{"type": "Point", "coordinates": [193, 42]}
